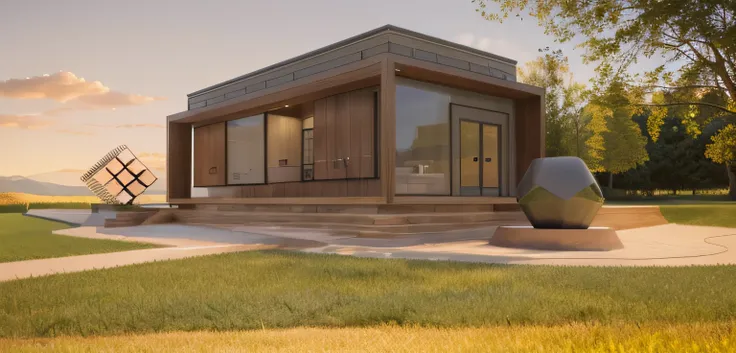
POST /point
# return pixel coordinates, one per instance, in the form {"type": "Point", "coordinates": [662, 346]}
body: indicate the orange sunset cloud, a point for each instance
{"type": "Point", "coordinates": [73, 92]}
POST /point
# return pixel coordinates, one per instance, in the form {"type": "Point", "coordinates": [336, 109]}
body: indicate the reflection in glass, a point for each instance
{"type": "Point", "coordinates": [469, 155]}
{"type": "Point", "coordinates": [490, 156]}
{"type": "Point", "coordinates": [559, 192]}
{"type": "Point", "coordinates": [422, 141]}
{"type": "Point", "coordinates": [245, 151]}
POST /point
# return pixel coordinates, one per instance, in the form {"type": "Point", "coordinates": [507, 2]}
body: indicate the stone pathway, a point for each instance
{"type": "Point", "coordinates": [42, 267]}
{"type": "Point", "coordinates": [182, 241]}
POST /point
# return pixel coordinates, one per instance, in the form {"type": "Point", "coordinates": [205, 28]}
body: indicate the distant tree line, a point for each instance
{"type": "Point", "coordinates": [607, 131]}
{"type": "Point", "coordinates": [676, 161]}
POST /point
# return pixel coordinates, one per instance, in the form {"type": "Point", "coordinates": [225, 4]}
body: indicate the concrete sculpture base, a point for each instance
{"type": "Point", "coordinates": [528, 237]}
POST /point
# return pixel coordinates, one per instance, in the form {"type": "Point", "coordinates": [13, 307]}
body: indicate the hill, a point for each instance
{"type": "Point", "coordinates": [29, 186]}
{"type": "Point", "coordinates": [66, 177]}
{"type": "Point", "coordinates": [71, 177]}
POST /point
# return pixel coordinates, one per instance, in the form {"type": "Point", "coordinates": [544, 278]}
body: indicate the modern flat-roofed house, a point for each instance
{"type": "Point", "coordinates": [388, 117]}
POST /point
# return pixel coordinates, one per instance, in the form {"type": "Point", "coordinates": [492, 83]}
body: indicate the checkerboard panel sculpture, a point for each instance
{"type": "Point", "coordinates": [119, 177]}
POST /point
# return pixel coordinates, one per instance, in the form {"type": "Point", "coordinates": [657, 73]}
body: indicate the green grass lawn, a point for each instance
{"type": "Point", "coordinates": [26, 238]}
{"type": "Point", "coordinates": [720, 215]}
{"type": "Point", "coordinates": [274, 289]}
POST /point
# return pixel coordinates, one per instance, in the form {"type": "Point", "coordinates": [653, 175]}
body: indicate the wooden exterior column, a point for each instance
{"type": "Point", "coordinates": [387, 127]}
{"type": "Point", "coordinates": [530, 133]}
{"type": "Point", "coordinates": [178, 161]}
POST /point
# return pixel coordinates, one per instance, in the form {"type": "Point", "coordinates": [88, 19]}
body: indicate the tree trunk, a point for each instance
{"type": "Point", "coordinates": [731, 170]}
{"type": "Point", "coordinates": [610, 181]}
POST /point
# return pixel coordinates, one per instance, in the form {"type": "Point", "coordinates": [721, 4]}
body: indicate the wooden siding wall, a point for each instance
{"type": "Point", "coordinates": [344, 127]}
{"type": "Point", "coordinates": [179, 161]}
{"type": "Point", "coordinates": [209, 155]}
{"type": "Point", "coordinates": [529, 133]}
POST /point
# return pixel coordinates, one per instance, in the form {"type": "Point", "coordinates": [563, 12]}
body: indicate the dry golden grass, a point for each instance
{"type": "Point", "coordinates": [8, 198]}
{"type": "Point", "coordinates": [711, 337]}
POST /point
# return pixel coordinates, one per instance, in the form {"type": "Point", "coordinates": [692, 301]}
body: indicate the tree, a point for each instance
{"type": "Point", "coordinates": [564, 98]}
{"type": "Point", "coordinates": [621, 144]}
{"type": "Point", "coordinates": [676, 160]}
{"type": "Point", "coordinates": [673, 159]}
{"type": "Point", "coordinates": [723, 150]}
{"type": "Point", "coordinates": [573, 104]}
{"type": "Point", "coordinates": [696, 39]}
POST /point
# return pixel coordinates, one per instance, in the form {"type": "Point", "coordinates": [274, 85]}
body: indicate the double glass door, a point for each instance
{"type": "Point", "coordinates": [480, 158]}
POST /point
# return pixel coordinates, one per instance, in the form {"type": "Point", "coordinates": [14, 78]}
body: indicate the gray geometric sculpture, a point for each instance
{"type": "Point", "coordinates": [559, 192]}
{"type": "Point", "coordinates": [119, 177]}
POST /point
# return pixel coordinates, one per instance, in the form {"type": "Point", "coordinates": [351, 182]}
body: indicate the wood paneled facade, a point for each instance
{"type": "Point", "coordinates": [349, 110]}
{"type": "Point", "coordinates": [344, 135]}
{"type": "Point", "coordinates": [209, 155]}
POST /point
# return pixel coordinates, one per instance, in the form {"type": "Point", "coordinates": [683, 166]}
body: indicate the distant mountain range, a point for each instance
{"type": "Point", "coordinates": [68, 177]}
{"type": "Point", "coordinates": [65, 183]}
{"type": "Point", "coordinates": [29, 186]}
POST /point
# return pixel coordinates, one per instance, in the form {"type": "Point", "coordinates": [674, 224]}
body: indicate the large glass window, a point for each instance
{"type": "Point", "coordinates": [245, 151]}
{"type": "Point", "coordinates": [422, 140]}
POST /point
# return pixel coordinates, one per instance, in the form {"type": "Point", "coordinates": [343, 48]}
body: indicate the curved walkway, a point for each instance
{"type": "Point", "coordinates": [665, 245]}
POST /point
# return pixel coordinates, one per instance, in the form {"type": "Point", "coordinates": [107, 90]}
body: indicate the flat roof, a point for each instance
{"type": "Point", "coordinates": [359, 37]}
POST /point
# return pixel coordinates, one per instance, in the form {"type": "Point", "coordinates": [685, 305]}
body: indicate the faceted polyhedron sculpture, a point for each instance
{"type": "Point", "coordinates": [559, 192]}
{"type": "Point", "coordinates": [119, 177]}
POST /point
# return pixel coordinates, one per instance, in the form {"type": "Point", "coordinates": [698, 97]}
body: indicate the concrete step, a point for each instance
{"type": "Point", "coordinates": [231, 217]}
{"type": "Point", "coordinates": [362, 230]}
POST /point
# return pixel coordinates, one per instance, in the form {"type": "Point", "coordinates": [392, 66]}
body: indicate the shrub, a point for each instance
{"type": "Point", "coordinates": [614, 194]}
{"type": "Point", "coordinates": [13, 208]}
{"type": "Point", "coordinates": [61, 205]}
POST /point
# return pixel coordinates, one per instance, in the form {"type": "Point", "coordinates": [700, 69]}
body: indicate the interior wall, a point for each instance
{"type": "Point", "coordinates": [284, 148]}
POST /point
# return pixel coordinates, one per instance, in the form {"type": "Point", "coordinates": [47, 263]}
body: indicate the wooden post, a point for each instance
{"type": "Point", "coordinates": [387, 126]}
{"type": "Point", "coordinates": [178, 161]}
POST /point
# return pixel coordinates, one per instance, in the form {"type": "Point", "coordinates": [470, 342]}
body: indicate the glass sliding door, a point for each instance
{"type": "Point", "coordinates": [491, 157]}
{"type": "Point", "coordinates": [479, 159]}
{"type": "Point", "coordinates": [469, 158]}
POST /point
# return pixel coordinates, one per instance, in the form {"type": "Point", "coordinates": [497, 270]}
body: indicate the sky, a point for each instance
{"type": "Point", "coordinates": [78, 78]}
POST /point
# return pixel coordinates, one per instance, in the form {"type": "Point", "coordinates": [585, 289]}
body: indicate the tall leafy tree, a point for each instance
{"type": "Point", "coordinates": [574, 101]}
{"type": "Point", "coordinates": [696, 39]}
{"type": "Point", "coordinates": [624, 146]}
{"type": "Point", "coordinates": [565, 122]}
